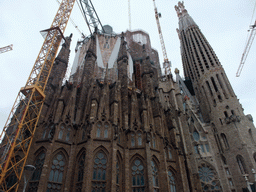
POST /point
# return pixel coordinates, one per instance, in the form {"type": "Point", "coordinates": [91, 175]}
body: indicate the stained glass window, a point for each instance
{"type": "Point", "coordinates": [154, 142]}
{"type": "Point", "coordinates": [209, 181]}
{"type": "Point", "coordinates": [138, 179]}
{"type": "Point", "coordinates": [139, 139]}
{"type": "Point", "coordinates": [61, 132]}
{"type": "Point", "coordinates": [80, 174]}
{"type": "Point", "coordinates": [171, 181]}
{"type": "Point", "coordinates": [68, 134]}
{"type": "Point", "coordinates": [155, 176]}
{"type": "Point", "coordinates": [132, 140]}
{"type": "Point", "coordinates": [169, 153]}
{"type": "Point", "coordinates": [106, 131]}
{"type": "Point", "coordinates": [98, 130]}
{"type": "Point", "coordinates": [33, 184]}
{"type": "Point", "coordinates": [99, 173]}
{"type": "Point", "coordinates": [56, 174]}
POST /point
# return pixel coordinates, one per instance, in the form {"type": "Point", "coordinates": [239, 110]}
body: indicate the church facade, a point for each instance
{"type": "Point", "coordinates": [118, 125]}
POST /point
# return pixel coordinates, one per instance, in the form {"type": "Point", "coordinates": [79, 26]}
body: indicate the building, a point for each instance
{"type": "Point", "coordinates": [118, 125]}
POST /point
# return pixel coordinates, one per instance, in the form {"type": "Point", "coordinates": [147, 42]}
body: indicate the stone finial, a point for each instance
{"type": "Point", "coordinates": [176, 71]}
{"type": "Point", "coordinates": [177, 9]}
{"type": "Point", "coordinates": [181, 6]}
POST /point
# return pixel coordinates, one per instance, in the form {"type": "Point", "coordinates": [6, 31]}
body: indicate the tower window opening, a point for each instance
{"type": "Point", "coordinates": [214, 84]}
{"type": "Point", "coordinates": [219, 97]}
{"type": "Point", "coordinates": [232, 111]}
{"type": "Point", "coordinates": [221, 85]}
{"type": "Point", "coordinates": [226, 114]}
{"type": "Point", "coordinates": [214, 103]}
{"type": "Point", "coordinates": [220, 121]}
{"type": "Point", "coordinates": [208, 85]}
{"type": "Point", "coordinates": [227, 84]}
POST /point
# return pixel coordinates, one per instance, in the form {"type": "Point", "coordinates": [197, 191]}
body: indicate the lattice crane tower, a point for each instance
{"type": "Point", "coordinates": [167, 63]}
{"type": "Point", "coordinates": [20, 127]}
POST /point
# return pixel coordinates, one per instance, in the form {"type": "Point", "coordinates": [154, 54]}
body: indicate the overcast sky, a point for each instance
{"type": "Point", "coordinates": [223, 22]}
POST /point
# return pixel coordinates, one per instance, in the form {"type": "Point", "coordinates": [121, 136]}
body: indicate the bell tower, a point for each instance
{"type": "Point", "coordinates": [233, 132]}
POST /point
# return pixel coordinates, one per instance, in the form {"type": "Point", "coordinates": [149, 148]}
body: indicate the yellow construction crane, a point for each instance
{"type": "Point", "coordinates": [247, 49]}
{"type": "Point", "coordinates": [167, 63]}
{"type": "Point", "coordinates": [20, 127]}
{"type": "Point", "coordinates": [6, 48]}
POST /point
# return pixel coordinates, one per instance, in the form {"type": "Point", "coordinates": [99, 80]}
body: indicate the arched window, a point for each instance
{"type": "Point", "coordinates": [169, 153]}
{"type": "Point", "coordinates": [209, 178]}
{"type": "Point", "coordinates": [155, 176]}
{"type": "Point", "coordinates": [224, 139]}
{"type": "Point", "coordinates": [60, 136]}
{"type": "Point", "coordinates": [68, 133]}
{"type": "Point", "coordinates": [138, 179]}
{"type": "Point", "coordinates": [106, 130]}
{"type": "Point", "coordinates": [45, 132]}
{"type": "Point", "coordinates": [241, 164]}
{"type": "Point", "coordinates": [39, 162]}
{"type": "Point", "coordinates": [132, 139]}
{"type": "Point", "coordinates": [139, 139]}
{"type": "Point", "coordinates": [80, 174]}
{"type": "Point", "coordinates": [56, 174]}
{"type": "Point", "coordinates": [196, 136]}
{"type": "Point", "coordinates": [99, 172]}
{"type": "Point", "coordinates": [171, 181]}
{"type": "Point", "coordinates": [98, 134]}
{"type": "Point", "coordinates": [254, 157]}
{"type": "Point", "coordinates": [50, 131]}
{"type": "Point", "coordinates": [154, 141]}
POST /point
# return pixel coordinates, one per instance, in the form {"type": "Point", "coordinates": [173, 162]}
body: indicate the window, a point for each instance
{"type": "Point", "coordinates": [83, 133]}
{"type": "Point", "coordinates": [139, 139]}
{"type": "Point", "coordinates": [241, 164]}
{"type": "Point", "coordinates": [39, 162]}
{"type": "Point", "coordinates": [138, 179]}
{"type": "Point", "coordinates": [12, 178]}
{"type": "Point", "coordinates": [99, 172]}
{"type": "Point", "coordinates": [132, 140]}
{"type": "Point", "coordinates": [171, 181]}
{"type": "Point", "coordinates": [60, 136]}
{"type": "Point", "coordinates": [155, 176]}
{"type": "Point", "coordinates": [224, 139]}
{"type": "Point", "coordinates": [68, 133]}
{"type": "Point", "coordinates": [169, 153]}
{"type": "Point", "coordinates": [231, 182]}
{"type": "Point", "coordinates": [196, 136]}
{"type": "Point", "coordinates": [227, 171]}
{"type": "Point", "coordinates": [106, 131]}
{"type": "Point", "coordinates": [251, 137]}
{"type": "Point", "coordinates": [80, 174]}
{"type": "Point", "coordinates": [154, 141]}
{"type": "Point", "coordinates": [56, 174]}
{"type": "Point", "coordinates": [209, 179]}
{"type": "Point", "coordinates": [98, 134]}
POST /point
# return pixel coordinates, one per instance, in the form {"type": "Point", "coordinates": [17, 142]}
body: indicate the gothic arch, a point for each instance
{"type": "Point", "coordinates": [101, 148]}
{"type": "Point", "coordinates": [79, 170]}
{"type": "Point", "coordinates": [60, 150]}
{"type": "Point", "coordinates": [137, 156]}
{"type": "Point", "coordinates": [39, 150]}
{"type": "Point", "coordinates": [156, 160]}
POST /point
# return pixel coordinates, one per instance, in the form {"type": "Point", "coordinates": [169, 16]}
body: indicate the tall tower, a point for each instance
{"type": "Point", "coordinates": [230, 132]}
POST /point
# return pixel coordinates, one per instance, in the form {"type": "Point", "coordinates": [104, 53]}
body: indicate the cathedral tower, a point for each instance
{"type": "Point", "coordinates": [230, 131]}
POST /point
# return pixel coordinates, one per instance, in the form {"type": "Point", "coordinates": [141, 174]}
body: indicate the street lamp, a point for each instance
{"type": "Point", "coordinates": [28, 170]}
